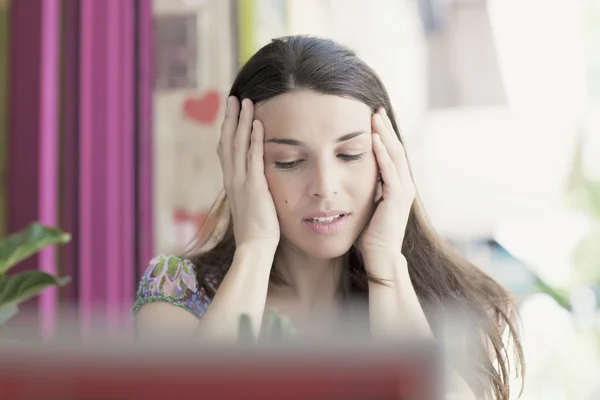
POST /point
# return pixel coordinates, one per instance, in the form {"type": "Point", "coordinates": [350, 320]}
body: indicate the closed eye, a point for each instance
{"type": "Point", "coordinates": [287, 165]}
{"type": "Point", "coordinates": [351, 157]}
{"type": "Point", "coordinates": [295, 163]}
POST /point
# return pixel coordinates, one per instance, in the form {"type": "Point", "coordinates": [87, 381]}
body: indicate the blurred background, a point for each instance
{"type": "Point", "coordinates": [110, 114]}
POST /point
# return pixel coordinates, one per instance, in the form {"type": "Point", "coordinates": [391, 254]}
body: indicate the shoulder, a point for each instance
{"type": "Point", "coordinates": [172, 279]}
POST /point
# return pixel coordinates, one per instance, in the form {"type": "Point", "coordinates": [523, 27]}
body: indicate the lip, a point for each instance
{"type": "Point", "coordinates": [325, 214]}
{"type": "Point", "coordinates": [326, 228]}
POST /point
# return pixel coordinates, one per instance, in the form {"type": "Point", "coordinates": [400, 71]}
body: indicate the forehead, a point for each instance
{"type": "Point", "coordinates": [307, 115]}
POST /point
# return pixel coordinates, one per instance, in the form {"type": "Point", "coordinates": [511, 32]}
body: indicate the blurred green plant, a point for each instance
{"type": "Point", "coordinates": [17, 288]}
{"type": "Point", "coordinates": [583, 195]}
{"type": "Point", "coordinates": [276, 329]}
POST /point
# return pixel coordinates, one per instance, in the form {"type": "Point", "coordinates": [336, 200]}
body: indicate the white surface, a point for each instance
{"type": "Point", "coordinates": [475, 168]}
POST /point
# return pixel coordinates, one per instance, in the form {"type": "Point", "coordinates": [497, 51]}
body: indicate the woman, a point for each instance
{"type": "Point", "coordinates": [319, 207]}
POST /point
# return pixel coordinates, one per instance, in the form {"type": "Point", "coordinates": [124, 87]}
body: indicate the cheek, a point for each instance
{"type": "Point", "coordinates": [368, 174]}
{"type": "Point", "coordinates": [363, 182]}
{"type": "Point", "coordinates": [283, 191]}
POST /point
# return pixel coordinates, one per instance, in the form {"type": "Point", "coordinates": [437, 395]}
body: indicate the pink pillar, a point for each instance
{"type": "Point", "coordinates": [48, 179]}
{"type": "Point", "coordinates": [115, 187]}
{"type": "Point", "coordinates": [33, 132]}
{"type": "Point", "coordinates": [105, 169]}
{"type": "Point", "coordinates": [70, 147]}
{"type": "Point", "coordinates": [144, 93]}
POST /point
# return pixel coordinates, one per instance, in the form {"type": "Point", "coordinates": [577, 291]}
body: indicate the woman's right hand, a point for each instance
{"type": "Point", "coordinates": [241, 149]}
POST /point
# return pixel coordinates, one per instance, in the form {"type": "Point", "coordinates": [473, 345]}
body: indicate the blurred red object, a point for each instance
{"type": "Point", "coordinates": [230, 375]}
{"type": "Point", "coordinates": [187, 224]}
{"type": "Point", "coordinates": [205, 109]}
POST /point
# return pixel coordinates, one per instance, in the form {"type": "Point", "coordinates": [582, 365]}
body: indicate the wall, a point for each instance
{"type": "Point", "coordinates": [187, 121]}
{"type": "Point", "coordinates": [388, 37]}
{"type": "Point", "coordinates": [485, 166]}
{"type": "Point", "coordinates": [489, 136]}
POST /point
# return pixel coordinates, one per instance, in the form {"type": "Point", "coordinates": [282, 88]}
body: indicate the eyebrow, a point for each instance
{"type": "Point", "coordinates": [295, 142]}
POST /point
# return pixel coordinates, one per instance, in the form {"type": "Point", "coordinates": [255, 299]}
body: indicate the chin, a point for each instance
{"type": "Point", "coordinates": [326, 248]}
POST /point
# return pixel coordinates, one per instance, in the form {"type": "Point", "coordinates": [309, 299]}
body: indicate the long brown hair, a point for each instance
{"type": "Point", "coordinates": [440, 275]}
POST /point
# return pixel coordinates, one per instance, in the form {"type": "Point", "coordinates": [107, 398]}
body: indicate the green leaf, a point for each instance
{"type": "Point", "coordinates": [276, 330]}
{"type": "Point", "coordinates": [27, 242]}
{"type": "Point", "coordinates": [7, 313]}
{"type": "Point", "coordinates": [276, 327]}
{"type": "Point", "coordinates": [561, 298]}
{"type": "Point", "coordinates": [15, 289]}
{"type": "Point", "coordinates": [267, 326]}
{"type": "Point", "coordinates": [245, 333]}
{"type": "Point", "coordinates": [287, 327]}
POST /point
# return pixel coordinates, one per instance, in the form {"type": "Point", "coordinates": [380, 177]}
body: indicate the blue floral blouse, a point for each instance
{"type": "Point", "coordinates": [172, 279]}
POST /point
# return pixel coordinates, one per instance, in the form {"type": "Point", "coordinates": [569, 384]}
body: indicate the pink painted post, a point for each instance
{"type": "Point", "coordinates": [33, 136]}
{"type": "Point", "coordinates": [144, 128]}
{"type": "Point", "coordinates": [107, 146]}
{"type": "Point", "coordinates": [70, 152]}
{"type": "Point", "coordinates": [48, 175]}
{"type": "Point", "coordinates": [128, 126]}
{"type": "Point", "coordinates": [114, 167]}
{"type": "Point", "coordinates": [86, 154]}
{"type": "Point", "coordinates": [108, 157]}
{"type": "Point", "coordinates": [24, 111]}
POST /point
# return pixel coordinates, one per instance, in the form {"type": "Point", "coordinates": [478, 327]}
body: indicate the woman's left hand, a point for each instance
{"type": "Point", "coordinates": [384, 234]}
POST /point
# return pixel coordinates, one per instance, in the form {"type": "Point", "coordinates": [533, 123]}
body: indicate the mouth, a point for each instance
{"type": "Point", "coordinates": [326, 223]}
{"type": "Point", "coordinates": [326, 216]}
{"type": "Point", "coordinates": [326, 219]}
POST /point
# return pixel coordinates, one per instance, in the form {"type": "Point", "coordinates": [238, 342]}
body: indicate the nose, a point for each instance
{"type": "Point", "coordinates": [324, 181]}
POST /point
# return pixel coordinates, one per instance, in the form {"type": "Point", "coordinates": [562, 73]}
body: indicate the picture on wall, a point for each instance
{"type": "Point", "coordinates": [176, 52]}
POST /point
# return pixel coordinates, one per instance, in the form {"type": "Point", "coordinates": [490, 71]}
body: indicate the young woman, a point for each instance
{"type": "Point", "coordinates": [320, 208]}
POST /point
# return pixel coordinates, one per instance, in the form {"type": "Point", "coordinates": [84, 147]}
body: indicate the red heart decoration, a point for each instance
{"type": "Point", "coordinates": [204, 109]}
{"type": "Point", "coordinates": [181, 215]}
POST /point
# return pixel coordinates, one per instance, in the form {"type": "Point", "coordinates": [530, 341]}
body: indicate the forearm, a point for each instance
{"type": "Point", "coordinates": [395, 310]}
{"type": "Point", "coordinates": [242, 291]}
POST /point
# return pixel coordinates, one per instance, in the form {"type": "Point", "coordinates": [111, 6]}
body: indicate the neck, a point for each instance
{"type": "Point", "coordinates": [311, 281]}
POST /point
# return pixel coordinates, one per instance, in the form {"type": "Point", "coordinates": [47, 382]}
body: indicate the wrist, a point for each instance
{"type": "Point", "coordinates": [259, 252]}
{"type": "Point", "coordinates": [384, 260]}
{"type": "Point", "coordinates": [382, 253]}
{"type": "Point", "coordinates": [387, 265]}
{"type": "Point", "coordinates": [259, 245]}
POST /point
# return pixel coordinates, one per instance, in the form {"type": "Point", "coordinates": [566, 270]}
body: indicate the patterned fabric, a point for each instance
{"type": "Point", "coordinates": [173, 280]}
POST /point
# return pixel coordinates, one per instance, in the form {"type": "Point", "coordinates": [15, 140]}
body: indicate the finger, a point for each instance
{"type": "Point", "coordinates": [256, 166]}
{"type": "Point", "coordinates": [388, 135]}
{"type": "Point", "coordinates": [241, 142]}
{"type": "Point", "coordinates": [395, 149]}
{"type": "Point", "coordinates": [389, 176]}
{"type": "Point", "coordinates": [404, 169]}
{"type": "Point", "coordinates": [389, 138]}
{"type": "Point", "coordinates": [388, 122]}
{"type": "Point", "coordinates": [228, 128]}
{"type": "Point", "coordinates": [402, 166]}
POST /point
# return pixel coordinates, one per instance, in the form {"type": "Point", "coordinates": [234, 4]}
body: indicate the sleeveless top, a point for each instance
{"type": "Point", "coordinates": [173, 280]}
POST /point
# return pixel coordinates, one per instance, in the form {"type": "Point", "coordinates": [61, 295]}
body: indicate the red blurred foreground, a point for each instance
{"type": "Point", "coordinates": [328, 373]}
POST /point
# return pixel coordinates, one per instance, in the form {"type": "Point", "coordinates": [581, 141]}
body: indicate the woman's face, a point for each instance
{"type": "Point", "coordinates": [321, 170]}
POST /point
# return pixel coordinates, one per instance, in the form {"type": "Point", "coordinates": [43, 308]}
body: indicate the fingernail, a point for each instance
{"type": "Point", "coordinates": [383, 111]}
{"type": "Point", "coordinates": [229, 101]}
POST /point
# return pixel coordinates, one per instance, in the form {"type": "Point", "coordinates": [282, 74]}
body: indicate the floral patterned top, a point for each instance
{"type": "Point", "coordinates": [172, 279]}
